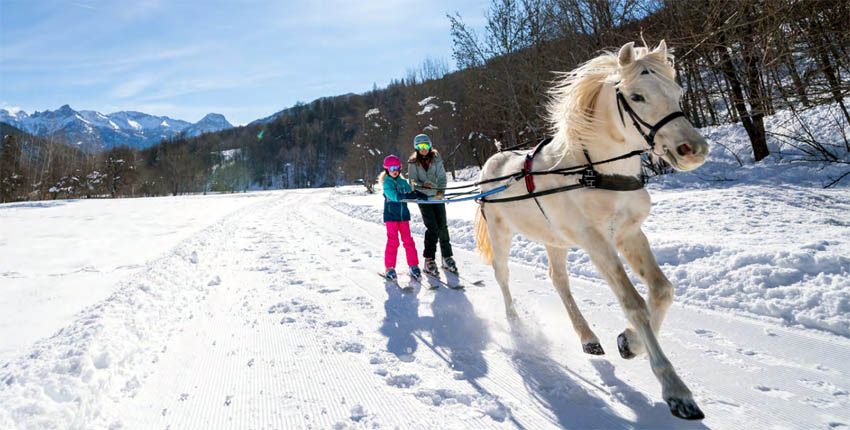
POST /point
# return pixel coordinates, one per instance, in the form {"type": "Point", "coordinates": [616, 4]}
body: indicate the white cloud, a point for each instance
{"type": "Point", "coordinates": [10, 108]}
{"type": "Point", "coordinates": [132, 87]}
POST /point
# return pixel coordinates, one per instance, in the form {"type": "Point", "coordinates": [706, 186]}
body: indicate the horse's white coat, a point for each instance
{"type": "Point", "coordinates": [584, 116]}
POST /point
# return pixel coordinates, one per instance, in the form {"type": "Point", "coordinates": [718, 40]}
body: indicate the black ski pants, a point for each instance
{"type": "Point", "coordinates": [436, 229]}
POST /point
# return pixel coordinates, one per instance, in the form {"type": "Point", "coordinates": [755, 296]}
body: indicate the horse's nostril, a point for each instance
{"type": "Point", "coordinates": [684, 149]}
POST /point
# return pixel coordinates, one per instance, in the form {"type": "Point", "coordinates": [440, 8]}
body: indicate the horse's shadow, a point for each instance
{"type": "Point", "coordinates": [554, 388]}
{"type": "Point", "coordinates": [459, 337]}
{"type": "Point", "coordinates": [649, 414]}
{"type": "Point", "coordinates": [558, 389]}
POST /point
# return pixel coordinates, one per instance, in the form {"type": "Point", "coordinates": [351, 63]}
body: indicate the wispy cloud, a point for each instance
{"type": "Point", "coordinates": [132, 87]}
{"type": "Point", "coordinates": [86, 6]}
{"type": "Point", "coordinates": [168, 90]}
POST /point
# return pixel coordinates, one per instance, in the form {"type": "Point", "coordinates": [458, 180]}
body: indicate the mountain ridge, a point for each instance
{"type": "Point", "coordinates": [93, 131]}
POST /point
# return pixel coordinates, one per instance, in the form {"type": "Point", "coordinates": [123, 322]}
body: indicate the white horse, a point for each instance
{"type": "Point", "coordinates": [594, 112]}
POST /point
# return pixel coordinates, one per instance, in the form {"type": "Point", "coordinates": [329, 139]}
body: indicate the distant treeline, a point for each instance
{"type": "Point", "coordinates": [738, 60]}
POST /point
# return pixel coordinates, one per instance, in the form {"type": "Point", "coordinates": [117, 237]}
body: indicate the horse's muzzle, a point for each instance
{"type": "Point", "coordinates": [688, 155]}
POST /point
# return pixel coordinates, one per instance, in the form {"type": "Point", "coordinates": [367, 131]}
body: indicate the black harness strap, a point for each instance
{"type": "Point", "coordinates": [589, 179]}
{"type": "Point", "coordinates": [637, 121]}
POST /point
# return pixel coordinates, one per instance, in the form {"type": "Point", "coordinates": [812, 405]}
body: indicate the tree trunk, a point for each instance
{"type": "Point", "coordinates": [755, 129]}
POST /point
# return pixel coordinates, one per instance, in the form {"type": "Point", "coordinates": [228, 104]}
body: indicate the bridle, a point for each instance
{"type": "Point", "coordinates": [622, 104]}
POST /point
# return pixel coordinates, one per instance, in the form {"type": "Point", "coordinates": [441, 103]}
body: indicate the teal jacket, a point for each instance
{"type": "Point", "coordinates": [436, 174]}
{"type": "Point", "coordinates": [396, 189]}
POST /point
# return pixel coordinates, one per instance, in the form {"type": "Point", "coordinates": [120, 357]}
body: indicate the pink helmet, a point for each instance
{"type": "Point", "coordinates": [390, 161]}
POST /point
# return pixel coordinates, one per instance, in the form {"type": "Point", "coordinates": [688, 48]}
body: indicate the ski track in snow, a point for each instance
{"type": "Point", "coordinates": [273, 318]}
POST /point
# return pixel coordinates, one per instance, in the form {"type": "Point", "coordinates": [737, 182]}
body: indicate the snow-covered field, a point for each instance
{"type": "Point", "coordinates": [263, 310]}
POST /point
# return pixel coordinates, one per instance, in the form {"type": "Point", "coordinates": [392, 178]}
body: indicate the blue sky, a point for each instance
{"type": "Point", "coordinates": [186, 58]}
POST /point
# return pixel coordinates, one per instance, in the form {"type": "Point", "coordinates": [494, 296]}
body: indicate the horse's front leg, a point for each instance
{"type": "Point", "coordinates": [673, 389]}
{"type": "Point", "coordinates": [635, 248]}
{"type": "Point", "coordinates": [558, 272]}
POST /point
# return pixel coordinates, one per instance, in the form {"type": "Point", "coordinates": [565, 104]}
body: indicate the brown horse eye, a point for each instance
{"type": "Point", "coordinates": [637, 98]}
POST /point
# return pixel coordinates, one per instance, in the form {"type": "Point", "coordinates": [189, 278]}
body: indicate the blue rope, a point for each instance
{"type": "Point", "coordinates": [477, 196]}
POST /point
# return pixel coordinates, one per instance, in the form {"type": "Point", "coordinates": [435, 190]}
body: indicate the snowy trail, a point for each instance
{"type": "Point", "coordinates": [301, 334]}
{"type": "Point", "coordinates": [273, 317]}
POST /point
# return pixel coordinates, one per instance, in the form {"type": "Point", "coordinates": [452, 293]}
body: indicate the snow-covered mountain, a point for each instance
{"type": "Point", "coordinates": [210, 123]}
{"type": "Point", "coordinates": [93, 131]}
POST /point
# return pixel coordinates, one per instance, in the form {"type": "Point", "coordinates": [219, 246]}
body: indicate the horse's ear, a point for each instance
{"type": "Point", "coordinates": [627, 55]}
{"type": "Point", "coordinates": [661, 50]}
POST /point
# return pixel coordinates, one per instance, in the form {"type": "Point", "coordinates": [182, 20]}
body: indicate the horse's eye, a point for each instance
{"type": "Point", "coordinates": [637, 98]}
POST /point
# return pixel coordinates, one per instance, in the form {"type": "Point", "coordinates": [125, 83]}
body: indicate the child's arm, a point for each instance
{"type": "Point", "coordinates": [407, 192]}
{"type": "Point", "coordinates": [390, 191]}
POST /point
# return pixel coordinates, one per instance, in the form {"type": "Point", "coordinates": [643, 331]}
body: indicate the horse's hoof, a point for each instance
{"type": "Point", "coordinates": [685, 409]}
{"type": "Point", "coordinates": [623, 346]}
{"type": "Point", "coordinates": [593, 348]}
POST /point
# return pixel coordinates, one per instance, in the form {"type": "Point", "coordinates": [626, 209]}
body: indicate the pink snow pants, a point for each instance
{"type": "Point", "coordinates": [393, 229]}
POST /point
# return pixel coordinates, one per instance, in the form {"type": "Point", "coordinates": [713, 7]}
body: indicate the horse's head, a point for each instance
{"type": "Point", "coordinates": [648, 102]}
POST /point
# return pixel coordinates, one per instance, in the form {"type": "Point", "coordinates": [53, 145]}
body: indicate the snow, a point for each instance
{"type": "Point", "coordinates": [230, 154]}
{"type": "Point", "coordinates": [57, 268]}
{"type": "Point", "coordinates": [263, 310]}
{"type": "Point", "coordinates": [428, 108]}
{"type": "Point", "coordinates": [373, 111]}
{"type": "Point", "coordinates": [133, 124]}
{"type": "Point", "coordinates": [426, 100]}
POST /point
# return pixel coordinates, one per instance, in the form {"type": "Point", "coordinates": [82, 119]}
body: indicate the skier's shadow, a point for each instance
{"type": "Point", "coordinates": [456, 328]}
{"type": "Point", "coordinates": [400, 321]}
{"type": "Point", "coordinates": [457, 334]}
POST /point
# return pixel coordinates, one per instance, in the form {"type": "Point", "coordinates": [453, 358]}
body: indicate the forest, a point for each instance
{"type": "Point", "coordinates": [737, 60]}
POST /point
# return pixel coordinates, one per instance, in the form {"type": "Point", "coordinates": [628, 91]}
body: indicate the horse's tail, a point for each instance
{"type": "Point", "coordinates": [482, 237]}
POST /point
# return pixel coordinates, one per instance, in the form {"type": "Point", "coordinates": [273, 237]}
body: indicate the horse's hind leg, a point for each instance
{"type": "Point", "coordinates": [673, 389]}
{"type": "Point", "coordinates": [500, 241]}
{"type": "Point", "coordinates": [558, 272]}
{"type": "Point", "coordinates": [635, 248]}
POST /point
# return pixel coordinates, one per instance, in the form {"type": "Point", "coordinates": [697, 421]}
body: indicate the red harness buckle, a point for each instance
{"type": "Point", "coordinates": [529, 178]}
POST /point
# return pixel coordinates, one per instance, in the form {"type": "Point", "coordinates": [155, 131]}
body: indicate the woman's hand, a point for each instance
{"type": "Point", "coordinates": [428, 185]}
{"type": "Point", "coordinates": [438, 196]}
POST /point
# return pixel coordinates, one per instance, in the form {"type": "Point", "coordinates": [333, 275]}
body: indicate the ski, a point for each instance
{"type": "Point", "coordinates": [406, 288]}
{"type": "Point", "coordinates": [452, 281]}
{"type": "Point", "coordinates": [477, 283]}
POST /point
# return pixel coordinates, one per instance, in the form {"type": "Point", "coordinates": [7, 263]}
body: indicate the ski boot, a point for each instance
{"type": "Point", "coordinates": [415, 272]}
{"type": "Point", "coordinates": [431, 267]}
{"type": "Point", "coordinates": [390, 274]}
{"type": "Point", "coordinates": [449, 265]}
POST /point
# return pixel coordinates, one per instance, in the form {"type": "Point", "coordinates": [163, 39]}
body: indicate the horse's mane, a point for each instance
{"type": "Point", "coordinates": [572, 98]}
